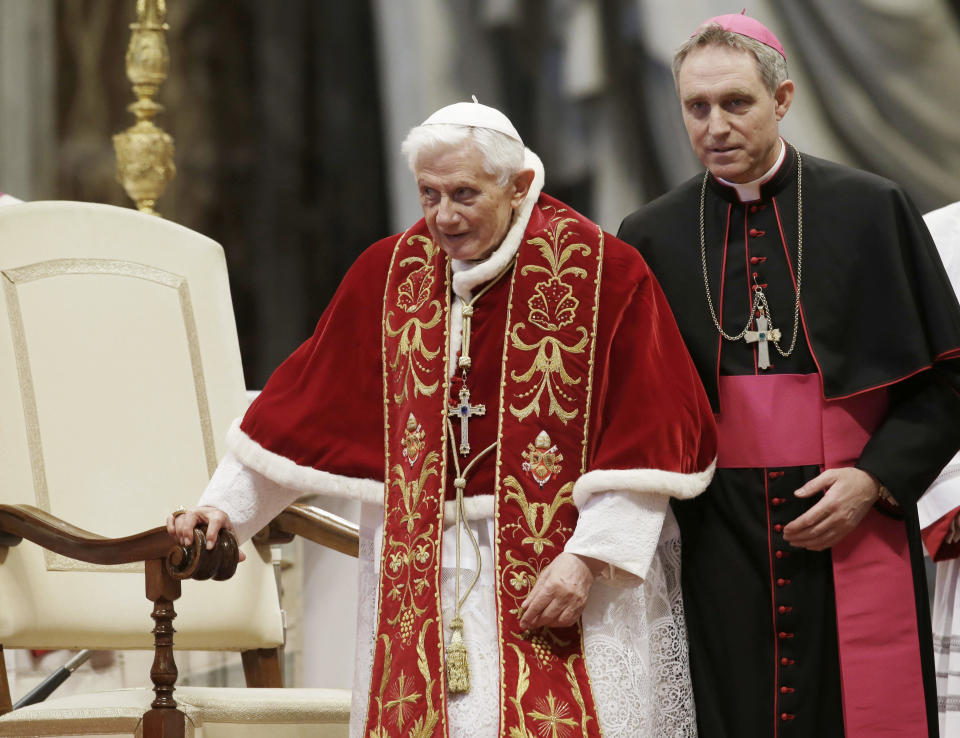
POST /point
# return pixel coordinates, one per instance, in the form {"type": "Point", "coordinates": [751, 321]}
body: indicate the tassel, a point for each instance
{"type": "Point", "coordinates": [458, 671]}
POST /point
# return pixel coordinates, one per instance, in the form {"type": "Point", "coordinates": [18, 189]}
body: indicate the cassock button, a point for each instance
{"type": "Point", "coordinates": [787, 662]}
{"type": "Point", "coordinates": [781, 582]}
{"type": "Point", "coordinates": [778, 528]}
{"type": "Point", "coordinates": [786, 716]}
{"type": "Point", "coordinates": [785, 636]}
{"type": "Point", "coordinates": [784, 609]}
{"type": "Point", "coordinates": [756, 233]}
{"type": "Point", "coordinates": [775, 474]}
{"type": "Point", "coordinates": [754, 208]}
{"type": "Point", "coordinates": [787, 690]}
{"type": "Point", "coordinates": [777, 501]}
{"type": "Point", "coordinates": [757, 259]}
{"type": "Point", "coordinates": [782, 554]}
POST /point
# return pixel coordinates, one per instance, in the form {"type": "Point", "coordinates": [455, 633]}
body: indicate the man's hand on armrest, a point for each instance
{"type": "Point", "coordinates": [180, 527]}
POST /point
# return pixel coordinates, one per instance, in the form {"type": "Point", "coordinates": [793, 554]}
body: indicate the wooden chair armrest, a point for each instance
{"type": "Point", "coordinates": [315, 525]}
{"type": "Point", "coordinates": [50, 532]}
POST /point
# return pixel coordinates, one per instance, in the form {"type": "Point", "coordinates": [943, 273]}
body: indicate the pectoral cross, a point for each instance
{"type": "Point", "coordinates": [760, 337]}
{"type": "Point", "coordinates": [465, 411]}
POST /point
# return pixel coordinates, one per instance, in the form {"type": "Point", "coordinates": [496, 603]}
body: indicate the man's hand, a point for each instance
{"type": "Point", "coordinates": [181, 527]}
{"type": "Point", "coordinates": [561, 591]}
{"type": "Point", "coordinates": [848, 494]}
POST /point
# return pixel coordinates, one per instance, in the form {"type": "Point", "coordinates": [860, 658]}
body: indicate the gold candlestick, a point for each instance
{"type": "Point", "coordinates": [144, 151]}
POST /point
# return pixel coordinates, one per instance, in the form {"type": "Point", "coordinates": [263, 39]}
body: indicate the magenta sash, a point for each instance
{"type": "Point", "coordinates": [778, 420]}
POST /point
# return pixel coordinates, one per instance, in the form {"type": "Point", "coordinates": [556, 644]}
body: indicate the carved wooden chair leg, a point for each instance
{"type": "Point", "coordinates": [262, 667]}
{"type": "Point", "coordinates": [163, 720]}
{"type": "Point", "coordinates": [6, 699]}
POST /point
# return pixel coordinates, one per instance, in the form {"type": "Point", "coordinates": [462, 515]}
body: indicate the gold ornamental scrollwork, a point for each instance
{"type": "Point", "coordinates": [144, 151]}
{"type": "Point", "coordinates": [413, 295]}
{"type": "Point", "coordinates": [551, 308]}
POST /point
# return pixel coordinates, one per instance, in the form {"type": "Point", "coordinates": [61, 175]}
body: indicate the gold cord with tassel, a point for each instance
{"type": "Point", "coordinates": [458, 666]}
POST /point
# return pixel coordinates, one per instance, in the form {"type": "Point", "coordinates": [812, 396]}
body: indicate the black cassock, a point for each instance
{"type": "Point", "coordinates": [877, 312]}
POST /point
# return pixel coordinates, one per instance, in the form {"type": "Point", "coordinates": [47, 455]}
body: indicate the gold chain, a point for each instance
{"type": "Point", "coordinates": [759, 298]}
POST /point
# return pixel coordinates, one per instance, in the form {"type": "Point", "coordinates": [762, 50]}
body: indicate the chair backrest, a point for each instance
{"type": "Point", "coordinates": [119, 376]}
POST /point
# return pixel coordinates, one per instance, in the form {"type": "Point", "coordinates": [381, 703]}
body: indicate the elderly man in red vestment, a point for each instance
{"type": "Point", "coordinates": [504, 388]}
{"type": "Point", "coordinates": [826, 333]}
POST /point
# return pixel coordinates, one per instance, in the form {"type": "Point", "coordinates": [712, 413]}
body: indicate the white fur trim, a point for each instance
{"type": "Point", "coordinates": [464, 281]}
{"type": "Point", "coordinates": [303, 479]}
{"type": "Point", "coordinates": [671, 484]}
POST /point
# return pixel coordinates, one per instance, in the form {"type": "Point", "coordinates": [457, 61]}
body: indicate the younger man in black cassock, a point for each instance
{"type": "Point", "coordinates": [827, 335]}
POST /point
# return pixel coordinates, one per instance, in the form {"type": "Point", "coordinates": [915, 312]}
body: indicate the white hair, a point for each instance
{"type": "Point", "coordinates": [502, 155]}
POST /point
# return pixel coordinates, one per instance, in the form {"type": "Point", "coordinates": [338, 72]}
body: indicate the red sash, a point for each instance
{"type": "Point", "coordinates": [779, 420]}
{"type": "Point", "coordinates": [546, 379]}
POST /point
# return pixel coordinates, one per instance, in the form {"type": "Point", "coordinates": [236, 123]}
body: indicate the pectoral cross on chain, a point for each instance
{"type": "Point", "coordinates": [761, 336]}
{"type": "Point", "coordinates": [465, 411]}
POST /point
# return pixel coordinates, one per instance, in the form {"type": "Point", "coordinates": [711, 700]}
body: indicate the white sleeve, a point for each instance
{"type": "Point", "coordinates": [248, 498]}
{"type": "Point", "coordinates": [622, 529]}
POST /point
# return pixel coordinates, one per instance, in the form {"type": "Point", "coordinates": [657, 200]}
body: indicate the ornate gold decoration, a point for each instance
{"type": "Point", "coordinates": [542, 459]}
{"type": "Point", "coordinates": [553, 305]}
{"type": "Point", "coordinates": [425, 725]}
{"type": "Point", "coordinates": [553, 717]}
{"type": "Point", "coordinates": [415, 290]}
{"type": "Point", "coordinates": [458, 668]}
{"type": "Point", "coordinates": [413, 491]}
{"type": "Point", "coordinates": [551, 308]}
{"type": "Point", "coordinates": [145, 152]}
{"type": "Point", "coordinates": [401, 700]}
{"type": "Point", "coordinates": [549, 364]}
{"type": "Point", "coordinates": [412, 295]}
{"type": "Point", "coordinates": [577, 693]}
{"type": "Point", "coordinates": [537, 521]}
{"type": "Point", "coordinates": [413, 440]}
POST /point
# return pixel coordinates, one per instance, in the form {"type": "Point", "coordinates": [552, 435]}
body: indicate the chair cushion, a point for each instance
{"type": "Point", "coordinates": [212, 712]}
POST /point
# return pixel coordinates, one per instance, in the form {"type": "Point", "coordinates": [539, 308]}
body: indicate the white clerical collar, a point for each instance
{"type": "Point", "coordinates": [750, 191]}
{"type": "Point", "coordinates": [469, 274]}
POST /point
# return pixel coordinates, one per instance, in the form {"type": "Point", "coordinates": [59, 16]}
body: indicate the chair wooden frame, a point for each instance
{"type": "Point", "coordinates": [166, 564]}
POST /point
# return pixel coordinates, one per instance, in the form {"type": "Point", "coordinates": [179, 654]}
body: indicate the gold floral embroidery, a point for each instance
{"type": "Point", "coordinates": [549, 363]}
{"type": "Point", "coordinates": [412, 492]}
{"type": "Point", "coordinates": [410, 362]}
{"type": "Point", "coordinates": [577, 694]}
{"type": "Point", "coordinates": [414, 291]}
{"type": "Point", "coordinates": [424, 725]}
{"type": "Point", "coordinates": [541, 459]}
{"type": "Point", "coordinates": [553, 305]}
{"type": "Point", "coordinates": [407, 564]}
{"type": "Point", "coordinates": [538, 516]}
{"type": "Point", "coordinates": [523, 684]}
{"type": "Point", "coordinates": [412, 353]}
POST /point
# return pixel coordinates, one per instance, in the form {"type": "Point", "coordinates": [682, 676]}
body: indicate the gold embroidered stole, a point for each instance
{"type": "Point", "coordinates": [544, 419]}
{"type": "Point", "coordinates": [543, 432]}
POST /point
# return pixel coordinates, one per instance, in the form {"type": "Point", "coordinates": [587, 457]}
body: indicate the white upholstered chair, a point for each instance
{"type": "Point", "coordinates": [119, 375]}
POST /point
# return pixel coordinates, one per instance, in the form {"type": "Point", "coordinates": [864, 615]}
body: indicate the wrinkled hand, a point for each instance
{"type": "Point", "coordinates": [561, 591]}
{"type": "Point", "coordinates": [848, 494]}
{"type": "Point", "coordinates": [181, 527]}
